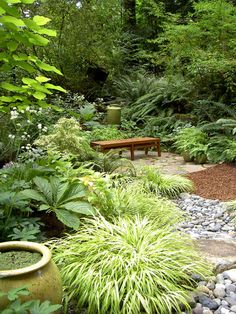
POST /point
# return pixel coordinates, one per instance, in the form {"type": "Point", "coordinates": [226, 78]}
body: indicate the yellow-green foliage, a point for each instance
{"type": "Point", "coordinates": [162, 184]}
{"type": "Point", "coordinates": [67, 137]}
{"type": "Point", "coordinates": [128, 266]}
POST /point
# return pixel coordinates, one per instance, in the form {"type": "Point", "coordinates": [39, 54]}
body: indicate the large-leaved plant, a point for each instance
{"type": "Point", "coordinates": [67, 200]}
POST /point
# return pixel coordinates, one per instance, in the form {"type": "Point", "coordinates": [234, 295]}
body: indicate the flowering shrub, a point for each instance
{"type": "Point", "coordinates": [19, 128]}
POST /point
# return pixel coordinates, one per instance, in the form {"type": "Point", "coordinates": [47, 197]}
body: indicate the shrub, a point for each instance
{"type": "Point", "coordinates": [106, 133]}
{"type": "Point", "coordinates": [67, 137]}
{"type": "Point", "coordinates": [127, 267]}
{"type": "Point", "coordinates": [162, 184]}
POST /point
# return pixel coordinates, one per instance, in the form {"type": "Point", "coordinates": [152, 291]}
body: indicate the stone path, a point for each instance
{"type": "Point", "coordinates": [168, 162]}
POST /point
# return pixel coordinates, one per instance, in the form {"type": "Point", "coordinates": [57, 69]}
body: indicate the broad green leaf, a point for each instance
{"type": "Point", "coordinates": [11, 87]}
{"type": "Point", "coordinates": [4, 56]}
{"type": "Point", "coordinates": [13, 1]}
{"type": "Point", "coordinates": [10, 10]}
{"type": "Point", "coordinates": [56, 87]}
{"type": "Point", "coordinates": [47, 67]}
{"type": "Point", "coordinates": [44, 207]}
{"type": "Point", "coordinates": [41, 20]}
{"type": "Point", "coordinates": [42, 79]}
{"type": "Point", "coordinates": [2, 11]}
{"type": "Point", "coordinates": [28, 81]}
{"type": "Point", "coordinates": [7, 99]}
{"type": "Point", "coordinates": [33, 194]}
{"type": "Point", "coordinates": [12, 45]}
{"type": "Point", "coordinates": [12, 20]}
{"type": "Point", "coordinates": [46, 31]}
{"type": "Point", "coordinates": [44, 188]}
{"type": "Point", "coordinates": [37, 39]}
{"type": "Point", "coordinates": [26, 66]}
{"type": "Point", "coordinates": [39, 95]}
{"type": "Point", "coordinates": [20, 57]}
{"type": "Point", "coordinates": [79, 207]}
{"type": "Point", "coordinates": [28, 1]}
{"type": "Point", "coordinates": [68, 218]}
{"type": "Point", "coordinates": [31, 24]}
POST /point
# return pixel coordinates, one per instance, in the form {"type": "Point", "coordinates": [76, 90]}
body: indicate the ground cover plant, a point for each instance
{"type": "Point", "coordinates": [162, 184]}
{"type": "Point", "coordinates": [127, 266]}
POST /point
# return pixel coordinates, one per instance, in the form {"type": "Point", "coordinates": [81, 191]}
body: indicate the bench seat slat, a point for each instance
{"type": "Point", "coordinates": [131, 143]}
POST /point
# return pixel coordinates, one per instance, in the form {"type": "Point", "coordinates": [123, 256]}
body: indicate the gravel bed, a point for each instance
{"type": "Point", "coordinates": [205, 218]}
{"type": "Point", "coordinates": [210, 219]}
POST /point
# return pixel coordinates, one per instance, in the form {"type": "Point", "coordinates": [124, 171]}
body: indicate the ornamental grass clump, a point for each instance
{"type": "Point", "coordinates": [128, 266]}
{"type": "Point", "coordinates": [162, 184]}
{"type": "Point", "coordinates": [133, 199]}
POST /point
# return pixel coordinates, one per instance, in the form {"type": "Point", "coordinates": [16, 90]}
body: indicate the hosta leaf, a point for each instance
{"type": "Point", "coordinates": [2, 11]}
{"type": "Point", "coordinates": [41, 20]}
{"type": "Point", "coordinates": [68, 218]}
{"type": "Point", "coordinates": [80, 207]}
{"type": "Point", "coordinates": [12, 20]}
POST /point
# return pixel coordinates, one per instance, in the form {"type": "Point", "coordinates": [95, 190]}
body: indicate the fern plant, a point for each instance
{"type": "Point", "coordinates": [111, 163]}
{"type": "Point", "coordinates": [128, 266]}
{"type": "Point", "coordinates": [66, 200]}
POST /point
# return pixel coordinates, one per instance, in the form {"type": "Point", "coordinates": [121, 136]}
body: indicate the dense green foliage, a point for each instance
{"type": "Point", "coordinates": [127, 266]}
{"type": "Point", "coordinates": [18, 65]}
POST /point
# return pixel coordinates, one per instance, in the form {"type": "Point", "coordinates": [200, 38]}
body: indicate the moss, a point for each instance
{"type": "Point", "coordinates": [10, 260]}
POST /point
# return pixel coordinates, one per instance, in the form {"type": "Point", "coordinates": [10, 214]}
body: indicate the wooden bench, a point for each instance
{"type": "Point", "coordinates": [130, 143]}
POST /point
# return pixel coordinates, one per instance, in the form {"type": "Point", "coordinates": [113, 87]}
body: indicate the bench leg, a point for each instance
{"type": "Point", "coordinates": [132, 152]}
{"type": "Point", "coordinates": [158, 149]}
{"type": "Point", "coordinates": [146, 150]}
{"type": "Point", "coordinates": [120, 153]}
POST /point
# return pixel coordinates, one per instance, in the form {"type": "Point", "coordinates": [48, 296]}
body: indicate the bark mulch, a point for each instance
{"type": "Point", "coordinates": [217, 182]}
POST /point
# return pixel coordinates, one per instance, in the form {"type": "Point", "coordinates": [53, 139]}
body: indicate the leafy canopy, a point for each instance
{"type": "Point", "coordinates": [20, 33]}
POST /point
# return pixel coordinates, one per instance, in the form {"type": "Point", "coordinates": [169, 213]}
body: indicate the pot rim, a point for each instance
{"type": "Point", "coordinates": [27, 246]}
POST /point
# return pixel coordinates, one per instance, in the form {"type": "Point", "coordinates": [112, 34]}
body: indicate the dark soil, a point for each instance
{"type": "Point", "coordinates": [218, 182]}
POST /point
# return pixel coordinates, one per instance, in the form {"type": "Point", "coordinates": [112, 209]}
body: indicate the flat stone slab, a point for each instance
{"type": "Point", "coordinates": [221, 253]}
{"type": "Point", "coordinates": [168, 163]}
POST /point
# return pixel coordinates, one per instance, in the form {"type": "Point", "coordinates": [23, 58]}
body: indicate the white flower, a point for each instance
{"type": "Point", "coordinates": [40, 126]}
{"type": "Point", "coordinates": [45, 129]}
{"type": "Point", "coordinates": [14, 114]}
{"type": "Point", "coordinates": [11, 136]}
{"type": "Point", "coordinates": [27, 108]}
